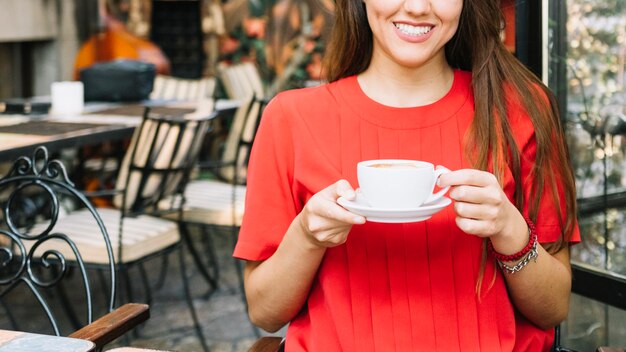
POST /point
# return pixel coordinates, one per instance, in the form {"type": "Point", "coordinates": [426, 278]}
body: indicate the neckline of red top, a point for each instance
{"type": "Point", "coordinates": [407, 117]}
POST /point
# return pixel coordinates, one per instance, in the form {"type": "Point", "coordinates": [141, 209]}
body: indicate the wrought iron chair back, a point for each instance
{"type": "Point", "coordinates": [41, 260]}
{"type": "Point", "coordinates": [156, 167]}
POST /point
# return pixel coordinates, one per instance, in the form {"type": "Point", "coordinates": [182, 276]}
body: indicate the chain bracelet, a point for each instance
{"type": "Point", "coordinates": [531, 255]}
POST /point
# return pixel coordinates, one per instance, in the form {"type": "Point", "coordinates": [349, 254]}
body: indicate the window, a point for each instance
{"type": "Point", "coordinates": [587, 49]}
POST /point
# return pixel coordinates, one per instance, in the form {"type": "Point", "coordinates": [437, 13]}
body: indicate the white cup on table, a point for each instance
{"type": "Point", "coordinates": [68, 98]}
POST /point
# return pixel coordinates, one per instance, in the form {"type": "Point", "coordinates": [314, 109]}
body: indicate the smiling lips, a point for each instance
{"type": "Point", "coordinates": [413, 31]}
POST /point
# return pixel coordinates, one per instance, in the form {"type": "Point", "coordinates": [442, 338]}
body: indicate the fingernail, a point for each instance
{"type": "Point", "coordinates": [359, 220]}
{"type": "Point", "coordinates": [350, 194]}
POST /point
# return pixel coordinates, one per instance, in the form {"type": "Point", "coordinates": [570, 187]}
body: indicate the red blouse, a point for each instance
{"type": "Point", "coordinates": [390, 287]}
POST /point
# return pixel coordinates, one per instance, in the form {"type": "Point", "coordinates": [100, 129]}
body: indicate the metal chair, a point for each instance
{"type": "Point", "coordinates": [156, 166]}
{"type": "Point", "coordinates": [39, 264]}
{"type": "Point", "coordinates": [216, 204]}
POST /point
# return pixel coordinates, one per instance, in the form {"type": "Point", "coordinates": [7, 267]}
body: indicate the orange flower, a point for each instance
{"type": "Point", "coordinates": [309, 46]}
{"type": "Point", "coordinates": [254, 27]}
{"type": "Point", "coordinates": [228, 45]}
{"type": "Point", "coordinates": [314, 68]}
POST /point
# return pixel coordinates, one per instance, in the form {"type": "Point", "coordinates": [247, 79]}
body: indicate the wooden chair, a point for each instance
{"type": "Point", "coordinates": [100, 163]}
{"type": "Point", "coordinates": [242, 82]}
{"type": "Point", "coordinates": [156, 166]}
{"type": "Point", "coordinates": [268, 344]}
{"type": "Point", "coordinates": [216, 204]}
{"type": "Point", "coordinates": [174, 88]}
{"type": "Point", "coordinates": [39, 264]}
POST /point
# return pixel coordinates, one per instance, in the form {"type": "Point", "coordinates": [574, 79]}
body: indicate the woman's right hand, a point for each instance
{"type": "Point", "coordinates": [325, 223]}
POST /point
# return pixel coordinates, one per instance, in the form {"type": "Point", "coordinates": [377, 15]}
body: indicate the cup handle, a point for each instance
{"type": "Point", "coordinates": [435, 197]}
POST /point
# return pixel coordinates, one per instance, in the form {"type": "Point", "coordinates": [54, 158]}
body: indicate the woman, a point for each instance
{"type": "Point", "coordinates": [426, 80]}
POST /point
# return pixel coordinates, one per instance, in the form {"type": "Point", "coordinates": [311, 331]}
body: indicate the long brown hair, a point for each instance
{"type": "Point", "coordinates": [477, 47]}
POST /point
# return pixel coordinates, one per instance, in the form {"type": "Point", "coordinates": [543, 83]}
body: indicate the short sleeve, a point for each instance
{"type": "Point", "coordinates": [269, 204]}
{"type": "Point", "coordinates": [548, 223]}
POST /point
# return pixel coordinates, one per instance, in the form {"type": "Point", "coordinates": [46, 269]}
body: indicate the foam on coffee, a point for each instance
{"type": "Point", "coordinates": [394, 166]}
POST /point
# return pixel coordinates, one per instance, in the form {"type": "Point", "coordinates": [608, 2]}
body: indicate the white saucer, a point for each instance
{"type": "Point", "coordinates": [394, 215]}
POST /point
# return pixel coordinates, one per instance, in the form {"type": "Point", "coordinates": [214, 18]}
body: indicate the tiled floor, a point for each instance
{"type": "Point", "coordinates": [222, 316]}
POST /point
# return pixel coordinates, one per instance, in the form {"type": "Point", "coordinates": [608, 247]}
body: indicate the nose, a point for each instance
{"type": "Point", "coordinates": [417, 7]}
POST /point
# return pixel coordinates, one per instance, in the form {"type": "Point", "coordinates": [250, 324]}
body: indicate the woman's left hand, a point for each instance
{"type": "Point", "coordinates": [481, 206]}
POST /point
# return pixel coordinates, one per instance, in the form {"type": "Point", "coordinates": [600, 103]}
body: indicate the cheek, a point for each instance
{"type": "Point", "coordinates": [454, 26]}
{"type": "Point", "coordinates": [451, 24]}
{"type": "Point", "coordinates": [376, 18]}
{"type": "Point", "coordinates": [378, 10]}
{"type": "Point", "coordinates": [449, 11]}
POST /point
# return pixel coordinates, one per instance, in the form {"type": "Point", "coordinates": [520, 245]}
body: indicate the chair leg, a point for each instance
{"type": "Point", "coordinates": [209, 248]}
{"type": "Point", "coordinates": [163, 272]}
{"type": "Point", "coordinates": [189, 300]}
{"type": "Point", "coordinates": [184, 231]}
{"type": "Point", "coordinates": [127, 284]}
{"type": "Point", "coordinates": [146, 284]}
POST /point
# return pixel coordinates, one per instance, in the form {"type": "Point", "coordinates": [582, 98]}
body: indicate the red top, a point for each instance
{"type": "Point", "coordinates": [390, 287]}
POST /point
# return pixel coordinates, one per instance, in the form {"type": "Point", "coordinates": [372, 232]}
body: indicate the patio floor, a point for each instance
{"type": "Point", "coordinates": [222, 316]}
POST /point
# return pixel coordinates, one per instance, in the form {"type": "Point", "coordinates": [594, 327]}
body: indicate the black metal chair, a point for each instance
{"type": "Point", "coordinates": [215, 204]}
{"type": "Point", "coordinates": [556, 346]}
{"type": "Point", "coordinates": [162, 152]}
{"type": "Point", "coordinates": [44, 267]}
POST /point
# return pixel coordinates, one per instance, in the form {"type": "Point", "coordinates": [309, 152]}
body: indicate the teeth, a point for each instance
{"type": "Point", "coordinates": [413, 30]}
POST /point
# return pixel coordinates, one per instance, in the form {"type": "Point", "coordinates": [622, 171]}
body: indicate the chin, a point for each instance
{"type": "Point", "coordinates": [409, 59]}
{"type": "Point", "coordinates": [410, 63]}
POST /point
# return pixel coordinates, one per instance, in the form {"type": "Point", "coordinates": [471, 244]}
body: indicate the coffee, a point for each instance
{"type": "Point", "coordinates": [395, 166]}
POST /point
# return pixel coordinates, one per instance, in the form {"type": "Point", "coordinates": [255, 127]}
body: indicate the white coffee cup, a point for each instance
{"type": "Point", "coordinates": [399, 184]}
{"type": "Point", "coordinates": [67, 98]}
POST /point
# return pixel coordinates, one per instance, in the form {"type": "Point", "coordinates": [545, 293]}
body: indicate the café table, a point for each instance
{"type": "Point", "coordinates": [17, 341]}
{"type": "Point", "coordinates": [99, 123]}
{"type": "Point", "coordinates": [20, 135]}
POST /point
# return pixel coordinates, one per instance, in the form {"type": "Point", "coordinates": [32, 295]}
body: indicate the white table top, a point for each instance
{"type": "Point", "coordinates": [17, 341]}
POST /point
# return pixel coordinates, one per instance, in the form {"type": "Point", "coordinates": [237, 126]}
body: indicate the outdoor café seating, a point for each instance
{"type": "Point", "coordinates": [215, 201]}
{"type": "Point", "coordinates": [48, 265]}
{"type": "Point", "coordinates": [156, 166]}
{"type": "Point", "coordinates": [174, 88]}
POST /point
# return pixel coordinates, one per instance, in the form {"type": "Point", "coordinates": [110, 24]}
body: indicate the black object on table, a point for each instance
{"type": "Point", "coordinates": [47, 128]}
{"type": "Point", "coordinates": [29, 106]}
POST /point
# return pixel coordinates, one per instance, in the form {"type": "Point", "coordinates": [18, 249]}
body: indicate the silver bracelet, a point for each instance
{"type": "Point", "coordinates": [531, 255]}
